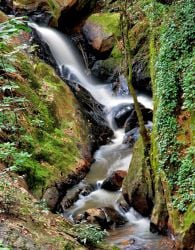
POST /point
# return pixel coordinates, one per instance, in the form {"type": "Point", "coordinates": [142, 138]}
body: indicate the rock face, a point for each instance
{"type": "Point", "coordinates": [114, 182]}
{"type": "Point", "coordinates": [137, 186]}
{"type": "Point", "coordinates": [96, 36]}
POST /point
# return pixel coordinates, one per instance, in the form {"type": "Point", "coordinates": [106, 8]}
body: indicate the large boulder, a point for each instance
{"type": "Point", "coordinates": [122, 113]}
{"type": "Point", "coordinates": [99, 40]}
{"type": "Point", "coordinates": [137, 186]}
{"type": "Point", "coordinates": [51, 197]}
{"type": "Point", "coordinates": [125, 116]}
{"type": "Point", "coordinates": [114, 182]}
{"type": "Point", "coordinates": [100, 31]}
{"type": "Point", "coordinates": [132, 121]}
{"type": "Point", "coordinates": [105, 217]}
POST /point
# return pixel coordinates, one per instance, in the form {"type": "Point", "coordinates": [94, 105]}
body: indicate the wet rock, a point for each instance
{"type": "Point", "coordinates": [114, 217]}
{"type": "Point", "coordinates": [87, 190]}
{"type": "Point", "coordinates": [70, 197]}
{"type": "Point", "coordinates": [105, 217]}
{"type": "Point", "coordinates": [114, 182]}
{"type": "Point", "coordinates": [51, 197]}
{"type": "Point", "coordinates": [131, 137]}
{"type": "Point", "coordinates": [96, 215]}
{"type": "Point", "coordinates": [140, 56]}
{"type": "Point", "coordinates": [121, 87]}
{"type": "Point", "coordinates": [125, 116]}
{"type": "Point", "coordinates": [66, 16]}
{"type": "Point", "coordinates": [141, 76]}
{"type": "Point", "coordinates": [6, 6]}
{"type": "Point", "coordinates": [132, 121]}
{"type": "Point", "coordinates": [122, 113]}
{"type": "Point", "coordinates": [123, 205]}
{"type": "Point", "coordinates": [98, 38]}
{"type": "Point", "coordinates": [137, 186]}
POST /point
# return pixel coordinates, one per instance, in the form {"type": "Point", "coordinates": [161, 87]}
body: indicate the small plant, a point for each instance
{"type": "Point", "coordinates": [14, 158]}
{"type": "Point", "coordinates": [89, 234]}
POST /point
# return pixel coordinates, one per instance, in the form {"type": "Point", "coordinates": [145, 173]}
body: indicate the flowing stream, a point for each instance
{"type": "Point", "coordinates": [108, 158]}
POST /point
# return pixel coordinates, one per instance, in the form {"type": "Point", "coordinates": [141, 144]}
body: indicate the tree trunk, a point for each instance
{"type": "Point", "coordinates": [128, 69]}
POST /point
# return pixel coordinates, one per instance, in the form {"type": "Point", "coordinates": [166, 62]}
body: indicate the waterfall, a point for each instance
{"type": "Point", "coordinates": [108, 158]}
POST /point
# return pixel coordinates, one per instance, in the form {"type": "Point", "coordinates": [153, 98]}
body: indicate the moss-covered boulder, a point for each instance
{"type": "Point", "coordinates": [137, 186]}
{"type": "Point", "coordinates": [100, 31]}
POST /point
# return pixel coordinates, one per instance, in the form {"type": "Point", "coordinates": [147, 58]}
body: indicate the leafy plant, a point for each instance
{"type": "Point", "coordinates": [14, 158]}
{"type": "Point", "coordinates": [89, 234]}
{"type": "Point", "coordinates": [185, 181]}
{"type": "Point", "coordinates": [175, 91]}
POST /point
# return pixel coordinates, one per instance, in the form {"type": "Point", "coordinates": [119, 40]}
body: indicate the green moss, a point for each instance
{"type": "Point", "coordinates": [189, 217]}
{"type": "Point", "coordinates": [109, 22]}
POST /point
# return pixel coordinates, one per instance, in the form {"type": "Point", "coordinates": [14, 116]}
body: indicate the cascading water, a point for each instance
{"type": "Point", "coordinates": [111, 157]}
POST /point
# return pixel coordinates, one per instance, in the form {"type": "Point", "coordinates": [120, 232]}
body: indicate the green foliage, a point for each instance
{"type": "Point", "coordinates": [14, 158]}
{"type": "Point", "coordinates": [153, 9]}
{"type": "Point", "coordinates": [89, 234]}
{"type": "Point", "coordinates": [185, 181]}
{"type": "Point", "coordinates": [108, 21]}
{"type": "Point", "coordinates": [175, 89]}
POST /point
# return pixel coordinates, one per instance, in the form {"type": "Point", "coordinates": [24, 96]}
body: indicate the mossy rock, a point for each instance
{"type": "Point", "coordinates": [137, 186]}
{"type": "Point", "coordinates": [108, 21]}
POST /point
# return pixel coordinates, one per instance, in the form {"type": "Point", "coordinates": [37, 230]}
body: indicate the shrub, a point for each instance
{"type": "Point", "coordinates": [89, 234]}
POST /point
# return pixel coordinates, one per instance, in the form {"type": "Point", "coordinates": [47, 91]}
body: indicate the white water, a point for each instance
{"type": "Point", "coordinates": [111, 157]}
{"type": "Point", "coordinates": [66, 55]}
